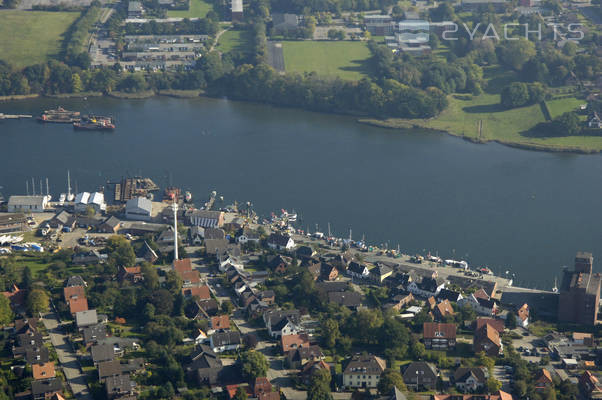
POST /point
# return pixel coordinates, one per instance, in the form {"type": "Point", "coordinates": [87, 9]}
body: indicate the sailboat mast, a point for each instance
{"type": "Point", "coordinates": [175, 229]}
{"type": "Point", "coordinates": [47, 188]}
{"type": "Point", "coordinates": [27, 186]}
{"type": "Point", "coordinates": [33, 187]}
{"type": "Point", "coordinates": [68, 184]}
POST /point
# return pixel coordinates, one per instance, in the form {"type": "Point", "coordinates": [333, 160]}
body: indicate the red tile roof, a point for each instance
{"type": "Point", "coordinates": [434, 330]}
{"type": "Point", "coordinates": [202, 292]}
{"type": "Point", "coordinates": [290, 342]}
{"type": "Point", "coordinates": [43, 371]}
{"type": "Point", "coordinates": [77, 304]}
{"type": "Point", "coordinates": [71, 291]}
{"type": "Point", "coordinates": [182, 265]}
{"type": "Point", "coordinates": [220, 322]}
{"type": "Point", "coordinates": [523, 312]}
{"type": "Point", "coordinates": [497, 324]}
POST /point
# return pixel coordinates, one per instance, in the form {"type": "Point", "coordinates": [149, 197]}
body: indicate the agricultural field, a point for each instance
{"type": "Point", "coordinates": [346, 60]}
{"type": "Point", "coordinates": [30, 37]}
{"type": "Point", "coordinates": [558, 107]}
{"type": "Point", "coordinates": [198, 9]}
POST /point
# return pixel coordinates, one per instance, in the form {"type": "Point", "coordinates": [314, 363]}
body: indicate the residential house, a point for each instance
{"type": "Point", "coordinates": [443, 310]}
{"type": "Point", "coordinates": [399, 301]}
{"type": "Point", "coordinates": [109, 225]}
{"type": "Point", "coordinates": [46, 388]}
{"type": "Point", "coordinates": [439, 336]}
{"type": "Point", "coordinates": [267, 296]}
{"type": "Point", "coordinates": [310, 368]}
{"type": "Point", "coordinates": [497, 323]}
{"type": "Point", "coordinates": [449, 295]}
{"type": "Point", "coordinates": [420, 375]}
{"type": "Point", "coordinates": [43, 371]}
{"type": "Point", "coordinates": [292, 342]}
{"type": "Point", "coordinates": [76, 280]}
{"type": "Point", "coordinates": [86, 318]}
{"type": "Point", "coordinates": [594, 121]}
{"type": "Point", "coordinates": [77, 304]}
{"type": "Point", "coordinates": [196, 235]}
{"type": "Point", "coordinates": [586, 339]}
{"type": "Point", "coordinates": [70, 292]}
{"type": "Point", "coordinates": [363, 371]}
{"type": "Point", "coordinates": [380, 272]}
{"type": "Point", "coordinates": [482, 306]}
{"type": "Point", "coordinates": [279, 263]}
{"type": "Point", "coordinates": [61, 220]}
{"type": "Point", "coordinates": [227, 261]}
{"type": "Point", "coordinates": [487, 339]}
{"type": "Point", "coordinates": [120, 386]}
{"type": "Point", "coordinates": [427, 287]}
{"type": "Point", "coordinates": [130, 274]}
{"type": "Point", "coordinates": [543, 380]}
{"type": "Point", "coordinates": [358, 270]}
{"type": "Point", "coordinates": [300, 356]}
{"type": "Point", "coordinates": [217, 247]}
{"type": "Point", "coordinates": [350, 299]}
{"type": "Point", "coordinates": [225, 341]}
{"type": "Point", "coordinates": [282, 322]}
{"type": "Point", "coordinates": [36, 355]}
{"type": "Point", "coordinates": [323, 271]}
{"type": "Point", "coordinates": [102, 352]}
{"type": "Point", "coordinates": [470, 379]}
{"type": "Point", "coordinates": [590, 385]}
{"type": "Point", "coordinates": [248, 235]}
{"type": "Point", "coordinates": [261, 385]}
{"type": "Point", "coordinates": [237, 10]}
{"type": "Point", "coordinates": [201, 292]}
{"type": "Point", "coordinates": [87, 257]}
{"type": "Point", "coordinates": [92, 334]}
{"type": "Point", "coordinates": [395, 394]}
{"type": "Point", "coordinates": [107, 369]}
{"type": "Point", "coordinates": [279, 241]}
{"type": "Point", "coordinates": [219, 323]}
{"type": "Point", "coordinates": [139, 208]}
{"type": "Point", "coordinates": [206, 218]}
{"type": "Point", "coordinates": [27, 204]}
{"type": "Point", "coordinates": [523, 315]}
{"type": "Point", "coordinates": [15, 296]}
{"type": "Point", "coordinates": [304, 252]}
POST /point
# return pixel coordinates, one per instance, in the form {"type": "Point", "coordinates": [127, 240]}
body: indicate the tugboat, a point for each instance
{"type": "Point", "coordinates": [60, 116]}
{"type": "Point", "coordinates": [95, 123]}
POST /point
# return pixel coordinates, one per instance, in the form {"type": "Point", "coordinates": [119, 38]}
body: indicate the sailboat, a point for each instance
{"type": "Point", "coordinates": [67, 196]}
{"type": "Point", "coordinates": [555, 288]}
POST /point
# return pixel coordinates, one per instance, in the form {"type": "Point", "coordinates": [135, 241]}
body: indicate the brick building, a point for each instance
{"type": "Point", "coordinates": [580, 292]}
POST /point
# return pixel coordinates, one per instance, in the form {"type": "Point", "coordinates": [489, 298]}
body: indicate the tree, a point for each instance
{"type": "Point", "coordinates": [227, 307]}
{"type": "Point", "coordinates": [151, 277]}
{"type": "Point", "coordinates": [241, 394]}
{"type": "Point", "coordinates": [120, 252]}
{"type": "Point", "coordinates": [493, 385]}
{"type": "Point", "coordinates": [253, 365]}
{"type": "Point", "coordinates": [511, 320]}
{"type": "Point", "coordinates": [418, 350]}
{"type": "Point", "coordinates": [514, 95]}
{"type": "Point", "coordinates": [6, 314]}
{"type": "Point", "coordinates": [37, 301]}
{"type": "Point", "coordinates": [485, 361]}
{"type": "Point", "coordinates": [319, 387]}
{"type": "Point", "coordinates": [515, 53]}
{"type": "Point", "coordinates": [330, 333]}
{"type": "Point", "coordinates": [77, 83]}
{"type": "Point", "coordinates": [390, 379]}
{"type": "Point", "coordinates": [163, 301]}
{"type": "Point", "coordinates": [26, 278]}
{"type": "Point", "coordinates": [567, 124]}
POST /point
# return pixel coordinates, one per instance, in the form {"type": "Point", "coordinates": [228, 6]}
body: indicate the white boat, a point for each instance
{"type": "Point", "coordinates": [62, 198]}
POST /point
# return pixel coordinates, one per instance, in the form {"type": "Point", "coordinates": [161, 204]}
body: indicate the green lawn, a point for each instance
{"type": "Point", "coordinates": [198, 9]}
{"type": "Point", "coordinates": [560, 106]}
{"type": "Point", "coordinates": [30, 37]}
{"type": "Point", "coordinates": [347, 60]}
{"type": "Point", "coordinates": [233, 40]}
{"type": "Point", "coordinates": [465, 113]}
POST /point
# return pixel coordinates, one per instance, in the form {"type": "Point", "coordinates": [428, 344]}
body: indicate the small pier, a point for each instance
{"type": "Point", "coordinates": [14, 116]}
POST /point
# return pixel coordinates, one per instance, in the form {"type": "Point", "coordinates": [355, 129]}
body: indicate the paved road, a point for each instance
{"type": "Point", "coordinates": [67, 358]}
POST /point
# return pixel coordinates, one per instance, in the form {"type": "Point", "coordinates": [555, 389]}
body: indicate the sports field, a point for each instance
{"type": "Point", "coordinates": [233, 40]}
{"type": "Point", "coordinates": [347, 60]}
{"type": "Point", "coordinates": [198, 9]}
{"type": "Point", "coordinates": [30, 37]}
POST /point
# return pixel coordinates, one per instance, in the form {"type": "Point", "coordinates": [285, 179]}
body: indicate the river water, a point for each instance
{"type": "Point", "coordinates": [523, 211]}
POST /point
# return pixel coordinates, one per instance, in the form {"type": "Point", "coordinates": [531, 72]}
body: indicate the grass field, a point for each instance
{"type": "Point", "coordinates": [347, 60]}
{"type": "Point", "coordinates": [30, 37]}
{"type": "Point", "coordinates": [466, 113]}
{"type": "Point", "coordinates": [233, 40]}
{"type": "Point", "coordinates": [198, 9]}
{"type": "Point", "coordinates": [559, 106]}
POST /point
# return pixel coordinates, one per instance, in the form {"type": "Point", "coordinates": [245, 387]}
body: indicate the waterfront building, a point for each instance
{"type": "Point", "coordinates": [580, 292]}
{"type": "Point", "coordinates": [27, 204]}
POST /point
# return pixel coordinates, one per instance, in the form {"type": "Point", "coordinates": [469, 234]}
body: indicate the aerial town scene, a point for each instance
{"type": "Point", "coordinates": [300, 199]}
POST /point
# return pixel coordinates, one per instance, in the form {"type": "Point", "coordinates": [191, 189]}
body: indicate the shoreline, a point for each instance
{"type": "Point", "coordinates": [406, 124]}
{"type": "Point", "coordinates": [397, 124]}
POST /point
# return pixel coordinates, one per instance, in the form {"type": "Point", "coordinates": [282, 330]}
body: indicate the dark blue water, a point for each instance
{"type": "Point", "coordinates": [492, 205]}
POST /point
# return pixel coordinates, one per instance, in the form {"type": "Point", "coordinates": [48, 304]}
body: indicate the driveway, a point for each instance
{"type": "Point", "coordinates": [67, 358]}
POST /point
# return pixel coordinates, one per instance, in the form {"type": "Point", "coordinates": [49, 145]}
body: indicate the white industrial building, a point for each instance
{"type": "Point", "coordinates": [28, 204]}
{"type": "Point", "coordinates": [95, 200]}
